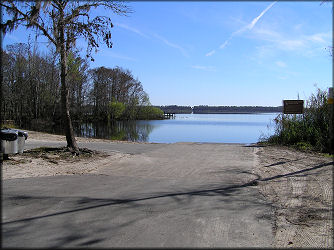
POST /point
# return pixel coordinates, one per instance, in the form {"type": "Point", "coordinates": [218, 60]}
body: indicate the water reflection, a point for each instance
{"type": "Point", "coordinates": [117, 130]}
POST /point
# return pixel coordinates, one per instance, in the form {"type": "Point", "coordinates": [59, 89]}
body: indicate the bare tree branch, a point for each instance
{"type": "Point", "coordinates": [30, 21]}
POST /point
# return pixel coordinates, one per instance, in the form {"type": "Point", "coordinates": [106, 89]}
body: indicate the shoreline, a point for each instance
{"type": "Point", "coordinates": [40, 136]}
{"type": "Point", "coordinates": [37, 135]}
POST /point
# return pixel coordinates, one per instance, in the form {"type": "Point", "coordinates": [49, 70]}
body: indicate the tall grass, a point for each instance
{"type": "Point", "coordinates": [308, 131]}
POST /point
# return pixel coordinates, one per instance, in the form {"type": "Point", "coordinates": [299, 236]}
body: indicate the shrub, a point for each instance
{"type": "Point", "coordinates": [307, 131]}
{"type": "Point", "coordinates": [116, 110]}
{"type": "Point", "coordinates": [150, 113]}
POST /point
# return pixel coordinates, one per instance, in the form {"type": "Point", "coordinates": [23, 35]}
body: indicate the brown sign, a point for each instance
{"type": "Point", "coordinates": [330, 96]}
{"type": "Point", "coordinates": [293, 106]}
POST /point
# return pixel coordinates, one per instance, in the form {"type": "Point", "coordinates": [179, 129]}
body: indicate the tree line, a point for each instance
{"type": "Point", "coordinates": [204, 109]}
{"type": "Point", "coordinates": [176, 109]}
{"type": "Point", "coordinates": [32, 89]}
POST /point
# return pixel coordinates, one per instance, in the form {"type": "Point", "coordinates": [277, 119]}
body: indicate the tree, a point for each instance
{"type": "Point", "coordinates": [31, 84]}
{"type": "Point", "coordinates": [19, 83]}
{"type": "Point", "coordinates": [116, 85]}
{"type": "Point", "coordinates": [77, 82]}
{"type": "Point", "coordinates": [101, 80]}
{"type": "Point", "coordinates": [62, 22]}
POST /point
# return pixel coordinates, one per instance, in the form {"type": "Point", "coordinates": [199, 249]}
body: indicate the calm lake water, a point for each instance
{"type": "Point", "coordinates": [217, 128]}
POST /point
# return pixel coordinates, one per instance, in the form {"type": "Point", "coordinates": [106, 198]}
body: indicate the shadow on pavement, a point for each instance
{"type": "Point", "coordinates": [220, 191]}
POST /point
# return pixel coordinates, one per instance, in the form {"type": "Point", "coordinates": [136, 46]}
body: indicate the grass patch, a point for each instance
{"type": "Point", "coordinates": [9, 124]}
{"type": "Point", "coordinates": [303, 146]}
{"type": "Point", "coordinates": [12, 161]}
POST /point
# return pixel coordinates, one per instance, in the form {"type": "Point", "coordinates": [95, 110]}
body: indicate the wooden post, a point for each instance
{"type": "Point", "coordinates": [331, 112]}
{"type": "Point", "coordinates": [1, 99]}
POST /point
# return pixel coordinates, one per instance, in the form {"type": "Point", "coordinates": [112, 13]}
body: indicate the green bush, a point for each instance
{"type": "Point", "coordinates": [150, 113]}
{"type": "Point", "coordinates": [309, 131]}
{"type": "Point", "coordinates": [121, 111]}
{"type": "Point", "coordinates": [116, 110]}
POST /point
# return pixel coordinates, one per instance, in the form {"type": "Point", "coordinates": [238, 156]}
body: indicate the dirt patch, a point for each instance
{"type": "Point", "coordinates": [62, 153]}
{"type": "Point", "coordinates": [300, 187]}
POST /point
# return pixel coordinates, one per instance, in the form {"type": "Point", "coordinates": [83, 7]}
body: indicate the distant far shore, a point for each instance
{"type": "Point", "coordinates": [203, 109]}
{"type": "Point", "coordinates": [224, 113]}
{"type": "Point", "coordinates": [234, 113]}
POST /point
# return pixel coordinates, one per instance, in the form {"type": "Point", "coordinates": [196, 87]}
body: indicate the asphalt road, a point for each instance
{"type": "Point", "coordinates": [161, 195]}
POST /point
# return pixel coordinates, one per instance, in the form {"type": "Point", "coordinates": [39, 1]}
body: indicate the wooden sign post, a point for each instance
{"type": "Point", "coordinates": [293, 106]}
{"type": "Point", "coordinates": [330, 100]}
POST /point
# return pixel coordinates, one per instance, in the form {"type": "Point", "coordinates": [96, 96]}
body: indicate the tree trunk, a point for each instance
{"type": "Point", "coordinates": [71, 142]}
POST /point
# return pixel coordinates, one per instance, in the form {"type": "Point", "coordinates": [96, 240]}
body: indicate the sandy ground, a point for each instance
{"type": "Point", "coordinates": [22, 166]}
{"type": "Point", "coordinates": [299, 185]}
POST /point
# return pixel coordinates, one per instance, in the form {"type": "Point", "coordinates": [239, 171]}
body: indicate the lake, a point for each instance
{"type": "Point", "coordinates": [215, 128]}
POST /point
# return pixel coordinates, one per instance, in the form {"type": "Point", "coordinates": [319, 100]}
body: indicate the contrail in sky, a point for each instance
{"type": "Point", "coordinates": [247, 27]}
{"type": "Point", "coordinates": [175, 46]}
{"type": "Point", "coordinates": [251, 25]}
{"type": "Point", "coordinates": [124, 26]}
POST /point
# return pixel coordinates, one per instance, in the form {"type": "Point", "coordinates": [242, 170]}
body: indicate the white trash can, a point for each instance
{"type": "Point", "coordinates": [22, 136]}
{"type": "Point", "coordinates": [9, 141]}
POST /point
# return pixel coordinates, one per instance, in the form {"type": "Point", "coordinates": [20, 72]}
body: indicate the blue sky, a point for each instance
{"type": "Point", "coordinates": [220, 53]}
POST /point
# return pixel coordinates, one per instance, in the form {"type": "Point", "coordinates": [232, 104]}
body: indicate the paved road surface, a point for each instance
{"type": "Point", "coordinates": [162, 195]}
